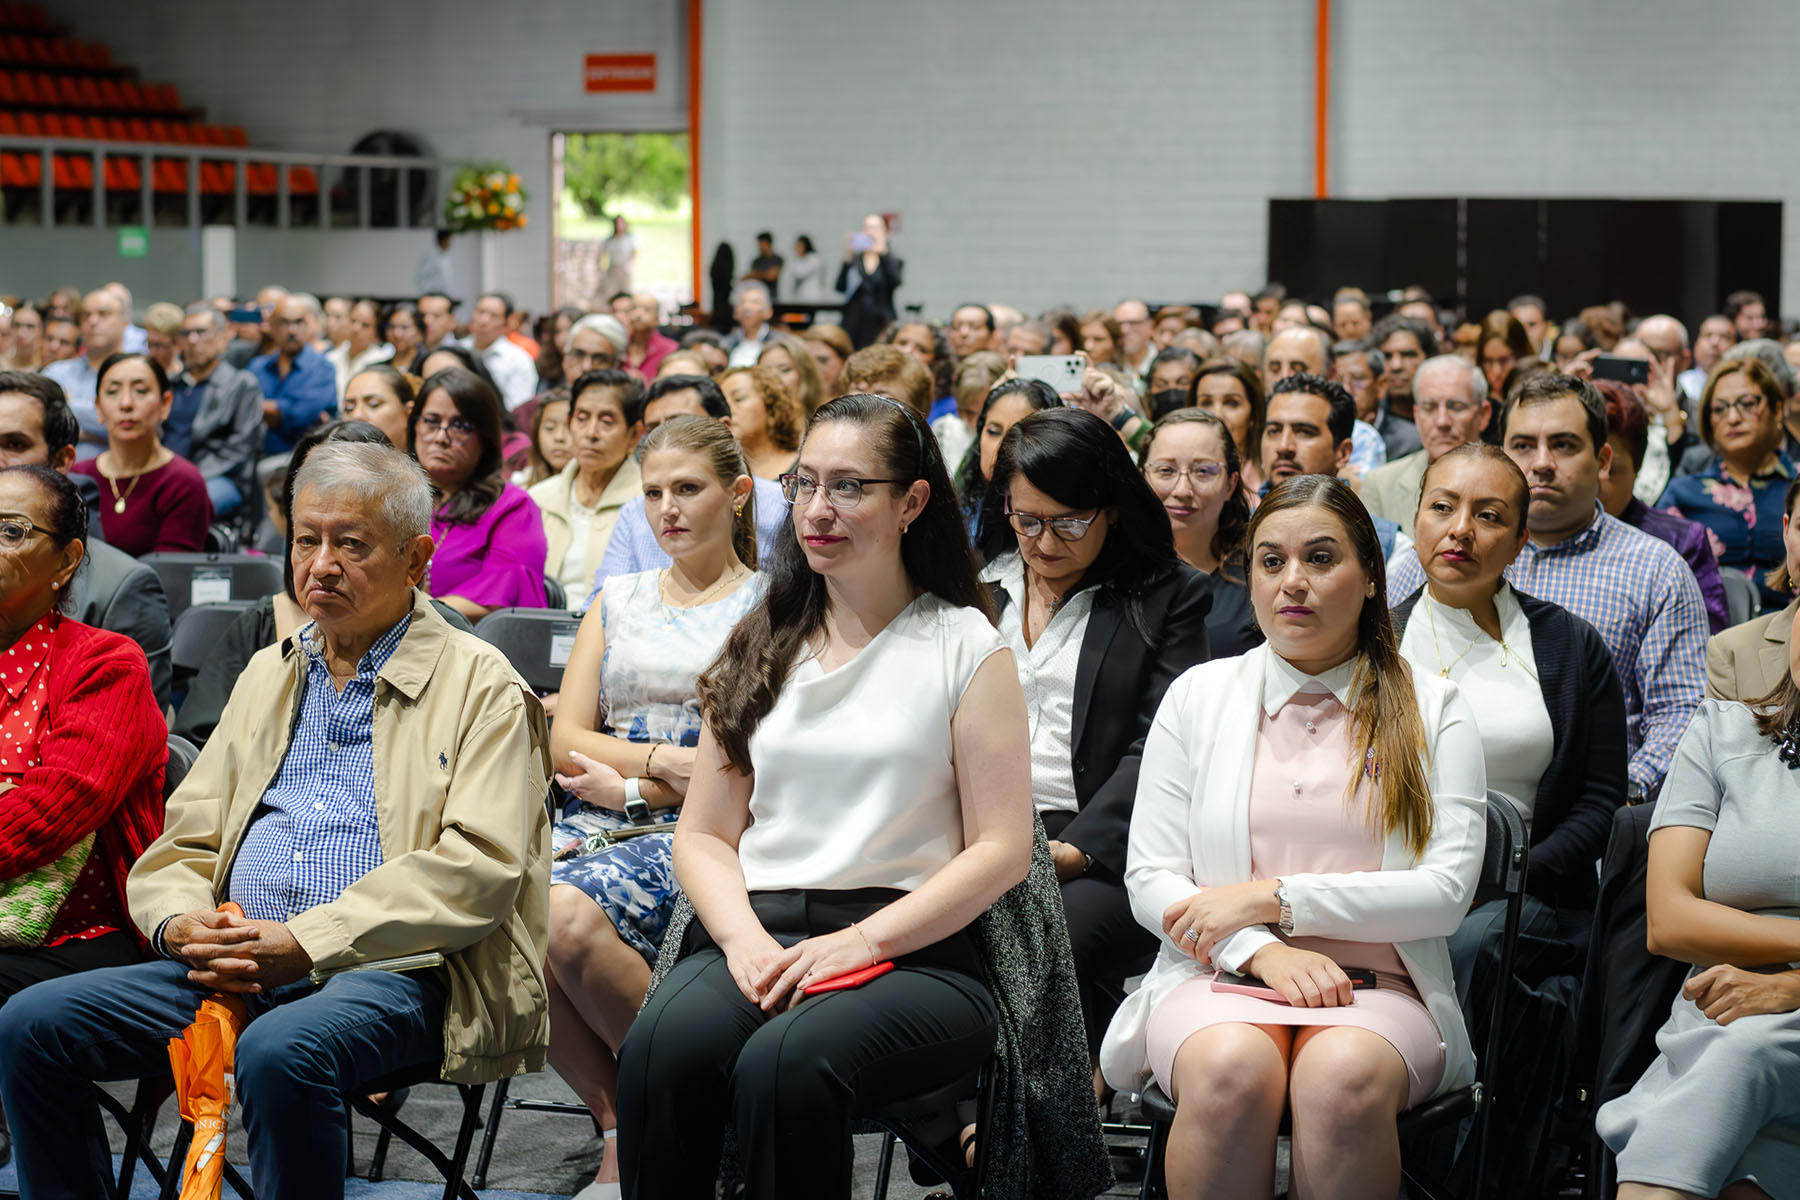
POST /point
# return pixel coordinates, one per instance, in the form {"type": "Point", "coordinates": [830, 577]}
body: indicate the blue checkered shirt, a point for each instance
{"type": "Point", "coordinates": [315, 832]}
{"type": "Point", "coordinates": [1641, 596]}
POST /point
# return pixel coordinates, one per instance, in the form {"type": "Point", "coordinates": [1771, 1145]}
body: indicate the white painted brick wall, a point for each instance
{"type": "Point", "coordinates": [1039, 151]}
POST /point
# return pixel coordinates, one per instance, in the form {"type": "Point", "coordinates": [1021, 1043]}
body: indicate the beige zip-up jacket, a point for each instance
{"type": "Point", "coordinates": [461, 768]}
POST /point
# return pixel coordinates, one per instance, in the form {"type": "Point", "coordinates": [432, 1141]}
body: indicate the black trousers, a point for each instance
{"type": "Point", "coordinates": [19, 969]}
{"type": "Point", "coordinates": [1108, 943]}
{"type": "Point", "coordinates": [700, 1057]}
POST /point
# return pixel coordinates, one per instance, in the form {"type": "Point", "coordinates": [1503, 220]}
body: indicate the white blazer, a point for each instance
{"type": "Point", "coordinates": [1191, 827]}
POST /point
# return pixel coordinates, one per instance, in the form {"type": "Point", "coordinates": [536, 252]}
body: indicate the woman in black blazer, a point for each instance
{"type": "Point", "coordinates": [868, 280]}
{"type": "Point", "coordinates": [1101, 616]}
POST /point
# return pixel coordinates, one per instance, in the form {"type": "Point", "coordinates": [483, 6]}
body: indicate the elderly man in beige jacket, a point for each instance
{"type": "Point", "coordinates": [373, 798]}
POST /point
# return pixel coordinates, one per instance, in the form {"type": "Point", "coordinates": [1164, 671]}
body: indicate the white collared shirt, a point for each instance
{"type": "Point", "coordinates": [1282, 681]}
{"type": "Point", "coordinates": [1047, 673]}
{"type": "Point", "coordinates": [513, 371]}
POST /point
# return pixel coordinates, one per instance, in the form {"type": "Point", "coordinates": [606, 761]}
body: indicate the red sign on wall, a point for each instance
{"type": "Point", "coordinates": [619, 73]}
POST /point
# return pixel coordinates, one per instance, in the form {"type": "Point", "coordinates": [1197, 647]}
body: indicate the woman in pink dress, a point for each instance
{"type": "Point", "coordinates": [1308, 808]}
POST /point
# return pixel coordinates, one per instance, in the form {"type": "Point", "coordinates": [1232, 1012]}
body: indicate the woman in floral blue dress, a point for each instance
{"type": "Point", "coordinates": [624, 738]}
{"type": "Point", "coordinates": [1739, 496]}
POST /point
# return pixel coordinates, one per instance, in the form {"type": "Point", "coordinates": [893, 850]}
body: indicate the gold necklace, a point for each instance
{"type": "Point", "coordinates": [727, 578]}
{"type": "Point", "coordinates": [1507, 654]}
{"type": "Point", "coordinates": [119, 500]}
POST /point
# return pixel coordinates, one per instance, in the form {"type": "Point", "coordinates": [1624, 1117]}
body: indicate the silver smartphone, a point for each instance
{"type": "Point", "coordinates": [1061, 371]}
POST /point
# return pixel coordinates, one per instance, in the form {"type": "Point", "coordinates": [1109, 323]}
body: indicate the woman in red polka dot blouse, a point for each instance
{"type": "Point", "coordinates": [82, 749]}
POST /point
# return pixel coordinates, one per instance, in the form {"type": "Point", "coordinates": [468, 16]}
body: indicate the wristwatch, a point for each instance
{"type": "Point", "coordinates": [1122, 418]}
{"type": "Point", "coordinates": [1286, 923]}
{"type": "Point", "coordinates": [636, 807]}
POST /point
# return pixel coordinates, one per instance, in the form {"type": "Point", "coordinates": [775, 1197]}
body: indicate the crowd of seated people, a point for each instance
{"type": "Point", "coordinates": [1036, 714]}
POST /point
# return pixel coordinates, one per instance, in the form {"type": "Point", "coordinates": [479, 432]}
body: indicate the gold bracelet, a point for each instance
{"type": "Point", "coordinates": [648, 757]}
{"type": "Point", "coordinates": [873, 957]}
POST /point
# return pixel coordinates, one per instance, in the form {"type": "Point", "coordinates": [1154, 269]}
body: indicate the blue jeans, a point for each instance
{"type": "Point", "coordinates": [304, 1048]}
{"type": "Point", "coordinates": [226, 498]}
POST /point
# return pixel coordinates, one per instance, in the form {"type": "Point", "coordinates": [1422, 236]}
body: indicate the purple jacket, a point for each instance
{"type": "Point", "coordinates": [1690, 541]}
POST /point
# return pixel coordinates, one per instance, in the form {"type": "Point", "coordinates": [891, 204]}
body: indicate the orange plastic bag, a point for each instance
{"type": "Point", "coordinates": [205, 1084]}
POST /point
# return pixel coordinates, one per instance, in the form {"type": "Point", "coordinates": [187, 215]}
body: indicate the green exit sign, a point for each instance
{"type": "Point", "coordinates": [134, 241]}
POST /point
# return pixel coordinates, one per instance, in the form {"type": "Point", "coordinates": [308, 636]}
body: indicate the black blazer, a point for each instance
{"type": "Point", "coordinates": [1585, 782]}
{"type": "Point", "coordinates": [1232, 622]}
{"type": "Point", "coordinates": [1119, 682]}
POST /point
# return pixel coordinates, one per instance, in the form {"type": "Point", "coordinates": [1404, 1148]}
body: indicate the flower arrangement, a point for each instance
{"type": "Point", "coordinates": [485, 196]}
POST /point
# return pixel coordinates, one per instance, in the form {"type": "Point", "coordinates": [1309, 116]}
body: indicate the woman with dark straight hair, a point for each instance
{"type": "Point", "coordinates": [1006, 405]}
{"type": "Point", "coordinates": [1305, 812]}
{"type": "Point", "coordinates": [489, 534]}
{"type": "Point", "coordinates": [1233, 392]}
{"type": "Point", "coordinates": [1101, 616]}
{"type": "Point", "coordinates": [857, 820]}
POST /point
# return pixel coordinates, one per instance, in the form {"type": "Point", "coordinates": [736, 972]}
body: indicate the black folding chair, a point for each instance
{"type": "Point", "coordinates": [1502, 869]}
{"type": "Point", "coordinates": [198, 630]}
{"type": "Point", "coordinates": [190, 579]}
{"type": "Point", "coordinates": [536, 641]}
{"type": "Point", "coordinates": [899, 1122]}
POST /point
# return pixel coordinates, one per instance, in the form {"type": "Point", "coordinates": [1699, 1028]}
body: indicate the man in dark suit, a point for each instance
{"type": "Point", "coordinates": [112, 590]}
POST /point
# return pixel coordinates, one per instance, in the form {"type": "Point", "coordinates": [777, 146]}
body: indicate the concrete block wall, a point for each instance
{"type": "Point", "coordinates": [1038, 151]}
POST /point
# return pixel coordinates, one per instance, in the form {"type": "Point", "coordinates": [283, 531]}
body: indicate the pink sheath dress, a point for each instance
{"type": "Point", "coordinates": [1300, 822]}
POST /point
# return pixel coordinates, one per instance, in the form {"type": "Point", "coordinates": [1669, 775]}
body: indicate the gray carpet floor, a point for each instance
{"type": "Point", "coordinates": [536, 1154]}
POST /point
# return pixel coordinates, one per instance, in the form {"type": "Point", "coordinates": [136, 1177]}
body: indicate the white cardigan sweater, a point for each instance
{"type": "Point", "coordinates": [1191, 827]}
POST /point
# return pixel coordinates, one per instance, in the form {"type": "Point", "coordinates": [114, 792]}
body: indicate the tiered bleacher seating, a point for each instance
{"type": "Point", "coordinates": [53, 86]}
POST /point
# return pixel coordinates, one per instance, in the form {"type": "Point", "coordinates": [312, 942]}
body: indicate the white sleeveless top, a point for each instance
{"type": "Point", "coordinates": [854, 784]}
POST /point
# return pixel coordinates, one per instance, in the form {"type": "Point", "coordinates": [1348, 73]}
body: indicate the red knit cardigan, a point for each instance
{"type": "Point", "coordinates": [102, 747]}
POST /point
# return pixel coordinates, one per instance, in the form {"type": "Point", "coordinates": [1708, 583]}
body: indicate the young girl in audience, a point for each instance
{"type": "Point", "coordinates": [1232, 392]}
{"type": "Point", "coordinates": [383, 397]}
{"type": "Point", "coordinates": [765, 417]}
{"type": "Point", "coordinates": [151, 498]}
{"type": "Point", "coordinates": [861, 796]}
{"type": "Point", "coordinates": [1714, 1113]}
{"type": "Point", "coordinates": [625, 735]}
{"type": "Point", "coordinates": [551, 443]}
{"type": "Point", "coordinates": [1100, 616]}
{"type": "Point", "coordinates": [1310, 807]}
{"type": "Point", "coordinates": [1191, 464]}
{"type": "Point", "coordinates": [489, 535]}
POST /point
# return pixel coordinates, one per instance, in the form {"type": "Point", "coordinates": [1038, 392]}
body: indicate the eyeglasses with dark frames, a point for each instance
{"type": "Point", "coordinates": [845, 492]}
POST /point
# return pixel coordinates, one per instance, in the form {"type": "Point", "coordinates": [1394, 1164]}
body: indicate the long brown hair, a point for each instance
{"type": "Point", "coordinates": [1385, 727]}
{"type": "Point", "coordinates": [711, 439]}
{"type": "Point", "coordinates": [742, 684]}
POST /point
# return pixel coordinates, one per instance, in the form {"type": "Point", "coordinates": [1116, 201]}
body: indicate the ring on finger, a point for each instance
{"type": "Point", "coordinates": [1192, 935]}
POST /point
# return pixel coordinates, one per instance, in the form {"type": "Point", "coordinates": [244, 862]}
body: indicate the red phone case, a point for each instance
{"type": "Point", "coordinates": [849, 979]}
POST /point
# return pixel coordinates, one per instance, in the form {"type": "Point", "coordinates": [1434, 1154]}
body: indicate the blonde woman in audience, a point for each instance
{"type": "Point", "coordinates": [624, 738]}
{"type": "Point", "coordinates": [766, 418]}
{"type": "Point", "coordinates": [27, 340]}
{"type": "Point", "coordinates": [1310, 809]}
{"type": "Point", "coordinates": [1713, 1115]}
{"type": "Point", "coordinates": [831, 349]}
{"type": "Point", "coordinates": [789, 358]}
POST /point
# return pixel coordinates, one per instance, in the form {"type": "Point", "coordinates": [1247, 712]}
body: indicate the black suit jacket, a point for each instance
{"type": "Point", "coordinates": [116, 592]}
{"type": "Point", "coordinates": [1119, 682]}
{"type": "Point", "coordinates": [1584, 784]}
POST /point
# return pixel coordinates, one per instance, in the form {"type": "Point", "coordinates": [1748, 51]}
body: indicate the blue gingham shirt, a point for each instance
{"type": "Point", "coordinates": [1641, 596]}
{"type": "Point", "coordinates": [315, 832]}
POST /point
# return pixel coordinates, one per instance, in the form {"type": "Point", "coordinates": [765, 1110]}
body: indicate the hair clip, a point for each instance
{"type": "Point", "coordinates": [1788, 749]}
{"type": "Point", "coordinates": [1371, 768]}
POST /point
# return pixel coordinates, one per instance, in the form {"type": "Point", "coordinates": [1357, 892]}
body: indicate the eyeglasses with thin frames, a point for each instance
{"type": "Point", "coordinates": [1166, 476]}
{"type": "Point", "coordinates": [1743, 406]}
{"type": "Point", "coordinates": [1064, 529]}
{"type": "Point", "coordinates": [842, 493]}
{"type": "Point", "coordinates": [14, 531]}
{"type": "Point", "coordinates": [457, 427]}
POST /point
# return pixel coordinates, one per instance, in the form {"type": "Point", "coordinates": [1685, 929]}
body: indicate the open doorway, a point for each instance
{"type": "Point", "coordinates": [641, 180]}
